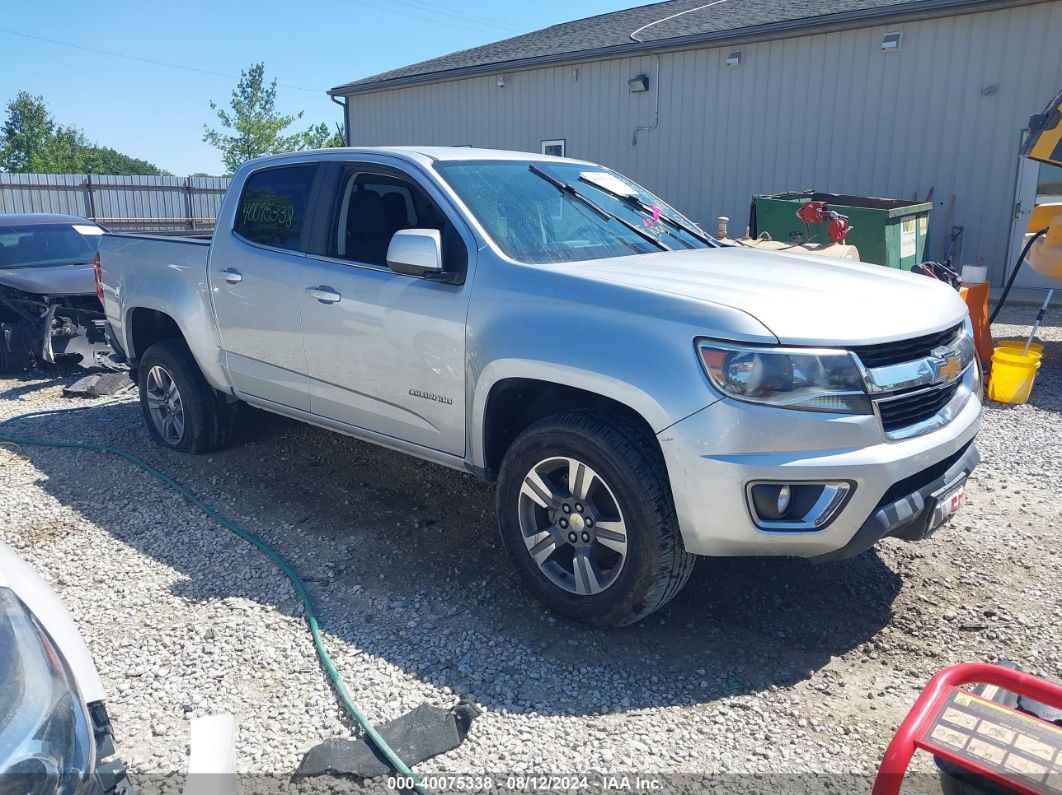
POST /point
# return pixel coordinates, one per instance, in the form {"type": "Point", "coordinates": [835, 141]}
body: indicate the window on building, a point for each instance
{"type": "Point", "coordinates": [273, 206]}
{"type": "Point", "coordinates": [554, 147]}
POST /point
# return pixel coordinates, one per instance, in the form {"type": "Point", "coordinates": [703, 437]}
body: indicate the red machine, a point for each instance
{"type": "Point", "coordinates": [979, 734]}
{"type": "Point", "coordinates": [818, 212]}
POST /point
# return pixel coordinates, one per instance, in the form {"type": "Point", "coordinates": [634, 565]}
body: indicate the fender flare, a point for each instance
{"type": "Point", "coordinates": [563, 375]}
{"type": "Point", "coordinates": [213, 370]}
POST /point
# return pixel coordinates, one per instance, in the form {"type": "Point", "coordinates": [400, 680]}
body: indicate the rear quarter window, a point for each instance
{"type": "Point", "coordinates": [272, 209]}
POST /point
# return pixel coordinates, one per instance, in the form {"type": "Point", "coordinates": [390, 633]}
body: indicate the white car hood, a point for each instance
{"type": "Point", "coordinates": [802, 300]}
{"type": "Point", "coordinates": [38, 596]}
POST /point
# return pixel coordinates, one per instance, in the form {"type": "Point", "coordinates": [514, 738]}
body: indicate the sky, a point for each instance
{"type": "Point", "coordinates": [96, 64]}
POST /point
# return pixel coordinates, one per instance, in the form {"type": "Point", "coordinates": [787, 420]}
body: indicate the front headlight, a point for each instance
{"type": "Point", "coordinates": [968, 353]}
{"type": "Point", "coordinates": [791, 378]}
{"type": "Point", "coordinates": [46, 743]}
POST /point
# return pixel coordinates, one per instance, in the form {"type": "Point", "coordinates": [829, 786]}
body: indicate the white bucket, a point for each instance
{"type": "Point", "coordinates": [974, 274]}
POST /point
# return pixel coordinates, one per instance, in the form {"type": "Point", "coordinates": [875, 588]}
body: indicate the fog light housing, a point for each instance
{"type": "Point", "coordinates": [796, 506]}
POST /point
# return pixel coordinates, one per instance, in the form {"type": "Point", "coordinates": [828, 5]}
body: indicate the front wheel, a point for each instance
{"type": "Point", "coordinates": [586, 515]}
{"type": "Point", "coordinates": [182, 411]}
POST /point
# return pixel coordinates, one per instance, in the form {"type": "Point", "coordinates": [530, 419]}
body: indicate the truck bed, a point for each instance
{"type": "Point", "coordinates": [161, 273]}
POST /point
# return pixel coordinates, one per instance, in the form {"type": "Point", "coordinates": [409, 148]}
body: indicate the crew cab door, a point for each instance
{"type": "Point", "coordinates": [254, 277]}
{"type": "Point", "coordinates": [384, 351]}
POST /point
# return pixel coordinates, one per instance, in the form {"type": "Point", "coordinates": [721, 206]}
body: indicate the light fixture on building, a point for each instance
{"type": "Point", "coordinates": [501, 82]}
{"type": "Point", "coordinates": [892, 42]}
{"type": "Point", "coordinates": [735, 59]}
{"type": "Point", "coordinates": [638, 84]}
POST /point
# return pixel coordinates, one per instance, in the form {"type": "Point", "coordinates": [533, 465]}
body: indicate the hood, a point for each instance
{"type": "Point", "coordinates": [75, 279]}
{"type": "Point", "coordinates": [802, 300]}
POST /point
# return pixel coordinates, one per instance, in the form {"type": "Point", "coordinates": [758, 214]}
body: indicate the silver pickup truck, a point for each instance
{"type": "Point", "coordinates": [641, 393]}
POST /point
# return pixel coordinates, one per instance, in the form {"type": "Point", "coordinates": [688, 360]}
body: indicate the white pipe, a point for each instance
{"type": "Point", "coordinates": [656, 82]}
{"type": "Point", "coordinates": [656, 107]}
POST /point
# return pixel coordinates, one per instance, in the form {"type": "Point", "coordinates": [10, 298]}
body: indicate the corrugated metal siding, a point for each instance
{"type": "Point", "coordinates": [830, 111]}
{"type": "Point", "coordinates": [122, 202]}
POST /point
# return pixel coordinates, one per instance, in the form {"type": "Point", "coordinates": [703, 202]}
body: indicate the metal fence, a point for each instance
{"type": "Point", "coordinates": [136, 203]}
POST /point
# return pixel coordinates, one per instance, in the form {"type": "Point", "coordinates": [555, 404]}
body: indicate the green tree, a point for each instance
{"type": "Point", "coordinates": [254, 127]}
{"type": "Point", "coordinates": [32, 142]}
{"type": "Point", "coordinates": [27, 134]}
{"type": "Point", "coordinates": [320, 137]}
{"type": "Point", "coordinates": [109, 161]}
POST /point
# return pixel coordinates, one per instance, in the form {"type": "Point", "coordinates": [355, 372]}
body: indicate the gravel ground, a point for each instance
{"type": "Point", "coordinates": [758, 667]}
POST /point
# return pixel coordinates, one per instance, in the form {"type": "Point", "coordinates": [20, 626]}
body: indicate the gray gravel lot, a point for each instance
{"type": "Point", "coordinates": [759, 666]}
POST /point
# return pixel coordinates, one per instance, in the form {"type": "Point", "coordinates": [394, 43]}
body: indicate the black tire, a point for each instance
{"type": "Point", "coordinates": [7, 361]}
{"type": "Point", "coordinates": [208, 420]}
{"type": "Point", "coordinates": [11, 363]}
{"type": "Point", "coordinates": [656, 564]}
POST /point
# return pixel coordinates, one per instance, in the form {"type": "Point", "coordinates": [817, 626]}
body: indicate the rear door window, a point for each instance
{"type": "Point", "coordinates": [272, 210]}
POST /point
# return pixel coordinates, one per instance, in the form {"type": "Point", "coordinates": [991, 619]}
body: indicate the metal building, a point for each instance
{"type": "Point", "coordinates": [708, 103]}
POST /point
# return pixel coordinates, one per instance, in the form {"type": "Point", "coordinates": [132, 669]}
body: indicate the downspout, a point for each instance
{"type": "Point", "coordinates": [346, 117]}
{"type": "Point", "coordinates": [656, 86]}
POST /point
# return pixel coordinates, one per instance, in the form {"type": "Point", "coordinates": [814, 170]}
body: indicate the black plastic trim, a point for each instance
{"type": "Point", "coordinates": [907, 507]}
{"type": "Point", "coordinates": [109, 776]}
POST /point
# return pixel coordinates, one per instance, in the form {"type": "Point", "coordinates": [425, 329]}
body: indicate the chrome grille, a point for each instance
{"type": "Point", "coordinates": [887, 353]}
{"type": "Point", "coordinates": [914, 407]}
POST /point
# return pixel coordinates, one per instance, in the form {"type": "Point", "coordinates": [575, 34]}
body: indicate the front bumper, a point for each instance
{"type": "Point", "coordinates": [713, 455]}
{"type": "Point", "coordinates": [47, 329]}
{"type": "Point", "coordinates": [906, 510]}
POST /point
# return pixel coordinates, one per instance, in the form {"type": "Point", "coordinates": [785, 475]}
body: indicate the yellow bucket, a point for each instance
{"type": "Point", "coordinates": [1013, 374]}
{"type": "Point", "coordinates": [1035, 349]}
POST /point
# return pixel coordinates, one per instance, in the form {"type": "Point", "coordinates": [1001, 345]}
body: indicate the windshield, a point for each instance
{"type": "Point", "coordinates": [37, 245]}
{"type": "Point", "coordinates": [545, 211]}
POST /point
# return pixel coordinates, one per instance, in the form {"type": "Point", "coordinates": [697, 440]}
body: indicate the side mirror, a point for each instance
{"type": "Point", "coordinates": [416, 252]}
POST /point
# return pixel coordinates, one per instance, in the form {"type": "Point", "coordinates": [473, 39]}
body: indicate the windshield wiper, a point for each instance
{"type": "Point", "coordinates": [564, 187]}
{"type": "Point", "coordinates": [675, 224]}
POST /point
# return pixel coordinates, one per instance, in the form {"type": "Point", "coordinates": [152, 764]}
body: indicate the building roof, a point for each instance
{"type": "Point", "coordinates": [654, 26]}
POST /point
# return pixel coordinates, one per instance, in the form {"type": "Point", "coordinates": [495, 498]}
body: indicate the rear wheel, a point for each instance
{"type": "Point", "coordinates": [182, 411]}
{"type": "Point", "coordinates": [586, 514]}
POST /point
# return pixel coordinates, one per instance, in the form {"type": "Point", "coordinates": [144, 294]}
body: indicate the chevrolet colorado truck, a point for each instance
{"type": "Point", "coordinates": [641, 393]}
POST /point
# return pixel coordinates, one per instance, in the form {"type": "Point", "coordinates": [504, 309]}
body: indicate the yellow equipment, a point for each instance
{"type": "Point", "coordinates": [1044, 143]}
{"type": "Point", "coordinates": [1014, 366]}
{"type": "Point", "coordinates": [1045, 254]}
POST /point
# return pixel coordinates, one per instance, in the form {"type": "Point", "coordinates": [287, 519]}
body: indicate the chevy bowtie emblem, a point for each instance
{"type": "Point", "coordinates": [949, 370]}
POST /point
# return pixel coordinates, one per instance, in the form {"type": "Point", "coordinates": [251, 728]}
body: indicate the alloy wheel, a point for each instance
{"type": "Point", "coordinates": [165, 405]}
{"type": "Point", "coordinates": [572, 525]}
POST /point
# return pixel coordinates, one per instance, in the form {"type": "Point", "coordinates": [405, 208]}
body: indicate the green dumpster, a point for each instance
{"type": "Point", "coordinates": [888, 232]}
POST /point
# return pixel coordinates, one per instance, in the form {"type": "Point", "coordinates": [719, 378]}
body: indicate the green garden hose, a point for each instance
{"type": "Point", "coordinates": [277, 559]}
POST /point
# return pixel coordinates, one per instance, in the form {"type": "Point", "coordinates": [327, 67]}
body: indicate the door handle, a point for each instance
{"type": "Point", "coordinates": [324, 294]}
{"type": "Point", "coordinates": [231, 275]}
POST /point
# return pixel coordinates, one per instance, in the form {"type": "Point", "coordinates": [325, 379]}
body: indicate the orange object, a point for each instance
{"type": "Point", "coordinates": [976, 298]}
